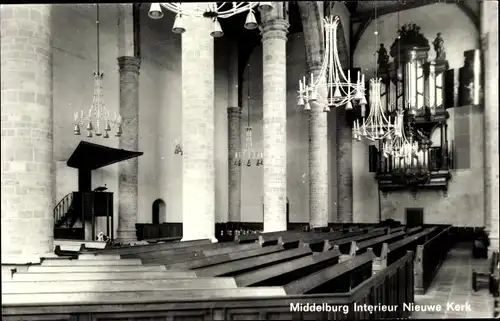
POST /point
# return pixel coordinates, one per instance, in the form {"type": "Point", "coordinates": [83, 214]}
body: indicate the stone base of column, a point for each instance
{"type": "Point", "coordinates": [126, 236]}
{"type": "Point", "coordinates": [212, 239]}
{"type": "Point", "coordinates": [274, 227]}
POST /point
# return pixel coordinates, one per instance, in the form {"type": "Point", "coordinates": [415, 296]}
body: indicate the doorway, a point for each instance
{"type": "Point", "coordinates": [159, 211]}
{"type": "Point", "coordinates": [414, 217]}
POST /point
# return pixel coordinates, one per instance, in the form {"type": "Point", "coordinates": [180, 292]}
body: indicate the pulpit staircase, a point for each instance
{"type": "Point", "coordinates": [65, 218]}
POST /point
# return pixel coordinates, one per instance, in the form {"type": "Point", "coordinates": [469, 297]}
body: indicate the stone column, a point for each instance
{"type": "Point", "coordinates": [311, 13]}
{"type": "Point", "coordinates": [129, 110]}
{"type": "Point", "coordinates": [489, 26]}
{"type": "Point", "coordinates": [344, 168]}
{"type": "Point", "coordinates": [274, 31]}
{"type": "Point", "coordinates": [198, 174]}
{"type": "Point", "coordinates": [318, 158]}
{"type": "Point", "coordinates": [128, 169]}
{"type": "Point", "coordinates": [344, 147]}
{"type": "Point", "coordinates": [27, 152]}
{"type": "Point", "coordinates": [234, 136]}
{"type": "Point", "coordinates": [234, 146]}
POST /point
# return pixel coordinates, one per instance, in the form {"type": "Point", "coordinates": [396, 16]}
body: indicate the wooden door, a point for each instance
{"type": "Point", "coordinates": [414, 217]}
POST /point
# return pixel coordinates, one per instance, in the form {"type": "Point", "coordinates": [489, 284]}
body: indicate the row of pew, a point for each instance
{"type": "Point", "coordinates": [274, 275]}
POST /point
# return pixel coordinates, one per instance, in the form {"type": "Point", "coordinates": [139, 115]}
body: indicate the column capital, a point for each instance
{"type": "Point", "coordinates": [274, 29]}
{"type": "Point", "coordinates": [129, 63]}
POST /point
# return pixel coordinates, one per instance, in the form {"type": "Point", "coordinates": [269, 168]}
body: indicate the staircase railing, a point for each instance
{"type": "Point", "coordinates": [62, 208]}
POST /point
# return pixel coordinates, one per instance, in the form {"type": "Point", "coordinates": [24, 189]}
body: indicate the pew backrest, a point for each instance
{"type": "Point", "coordinates": [342, 241]}
{"type": "Point", "coordinates": [153, 247]}
{"type": "Point", "coordinates": [273, 271]}
{"type": "Point", "coordinates": [315, 280]}
{"type": "Point", "coordinates": [221, 258]}
{"type": "Point", "coordinates": [251, 263]}
{"type": "Point", "coordinates": [379, 240]}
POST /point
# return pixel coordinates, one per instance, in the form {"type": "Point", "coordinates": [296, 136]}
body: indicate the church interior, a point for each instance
{"type": "Point", "coordinates": [301, 160]}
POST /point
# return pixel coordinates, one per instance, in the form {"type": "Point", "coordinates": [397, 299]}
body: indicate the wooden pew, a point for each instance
{"type": "Point", "coordinates": [274, 237]}
{"type": "Point", "coordinates": [396, 229]}
{"type": "Point", "coordinates": [414, 230]}
{"type": "Point", "coordinates": [294, 240]}
{"type": "Point", "coordinates": [341, 277]}
{"type": "Point", "coordinates": [96, 276]}
{"type": "Point", "coordinates": [283, 273]}
{"type": "Point", "coordinates": [392, 252]}
{"type": "Point", "coordinates": [252, 263]}
{"type": "Point", "coordinates": [137, 297]}
{"type": "Point", "coordinates": [222, 258]}
{"type": "Point", "coordinates": [127, 249]}
{"type": "Point", "coordinates": [429, 257]}
{"type": "Point", "coordinates": [124, 250]}
{"type": "Point", "coordinates": [96, 268]}
{"type": "Point", "coordinates": [185, 254]}
{"type": "Point", "coordinates": [321, 243]}
{"type": "Point", "coordinates": [225, 304]}
{"type": "Point", "coordinates": [112, 285]}
{"type": "Point", "coordinates": [376, 243]}
{"type": "Point", "coordinates": [77, 262]}
{"type": "Point", "coordinates": [344, 244]}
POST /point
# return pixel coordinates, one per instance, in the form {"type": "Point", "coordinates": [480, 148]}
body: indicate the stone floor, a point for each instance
{"type": "Point", "coordinates": [453, 285]}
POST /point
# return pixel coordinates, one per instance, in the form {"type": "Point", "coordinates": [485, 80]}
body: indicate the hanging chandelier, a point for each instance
{"type": "Point", "coordinates": [97, 121]}
{"type": "Point", "coordinates": [211, 10]}
{"type": "Point", "coordinates": [332, 79]}
{"type": "Point", "coordinates": [399, 146]}
{"type": "Point", "coordinates": [248, 155]}
{"type": "Point", "coordinates": [376, 126]}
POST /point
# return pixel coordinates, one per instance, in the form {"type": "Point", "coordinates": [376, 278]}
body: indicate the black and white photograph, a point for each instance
{"type": "Point", "coordinates": [294, 160]}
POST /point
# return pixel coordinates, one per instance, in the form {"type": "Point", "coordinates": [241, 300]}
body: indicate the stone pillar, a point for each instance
{"type": "Point", "coordinates": [489, 26]}
{"type": "Point", "coordinates": [311, 13]}
{"type": "Point", "coordinates": [318, 159]}
{"type": "Point", "coordinates": [344, 146]}
{"type": "Point", "coordinates": [27, 152]}
{"type": "Point", "coordinates": [198, 174]}
{"type": "Point", "coordinates": [274, 31]}
{"type": "Point", "coordinates": [129, 169]}
{"type": "Point", "coordinates": [344, 168]}
{"type": "Point", "coordinates": [129, 110]}
{"type": "Point", "coordinates": [234, 146]}
{"type": "Point", "coordinates": [234, 136]}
